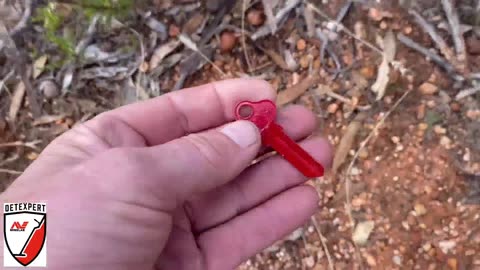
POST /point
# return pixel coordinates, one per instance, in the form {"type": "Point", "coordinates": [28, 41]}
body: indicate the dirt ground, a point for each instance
{"type": "Point", "coordinates": [405, 193]}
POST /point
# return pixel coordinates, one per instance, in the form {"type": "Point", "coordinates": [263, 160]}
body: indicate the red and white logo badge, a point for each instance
{"type": "Point", "coordinates": [24, 229]}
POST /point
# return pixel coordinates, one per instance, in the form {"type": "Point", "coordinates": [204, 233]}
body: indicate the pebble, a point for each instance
{"type": "Point", "coordinates": [332, 108]}
{"type": "Point", "coordinates": [445, 142]}
{"type": "Point", "coordinates": [305, 61]}
{"type": "Point", "coordinates": [447, 245]}
{"type": "Point", "coordinates": [383, 25]}
{"type": "Point", "coordinates": [363, 154]}
{"type": "Point", "coordinates": [420, 209]}
{"type": "Point", "coordinates": [452, 263]}
{"type": "Point", "coordinates": [455, 106]}
{"type": "Point", "coordinates": [407, 30]}
{"type": "Point", "coordinates": [426, 247]}
{"type": "Point", "coordinates": [173, 30]}
{"type": "Point", "coordinates": [309, 261]}
{"type": "Point", "coordinates": [423, 126]}
{"type": "Point", "coordinates": [439, 129]}
{"type": "Point", "coordinates": [395, 139]}
{"type": "Point", "coordinates": [49, 89]}
{"type": "Point", "coordinates": [370, 259]}
{"type": "Point", "coordinates": [368, 72]}
{"type": "Point", "coordinates": [227, 41]}
{"type": "Point", "coordinates": [428, 88]}
{"type": "Point", "coordinates": [301, 44]}
{"type": "Point", "coordinates": [473, 114]}
{"type": "Point", "coordinates": [397, 259]}
{"type": "Point", "coordinates": [255, 17]}
{"type": "Point", "coordinates": [421, 111]}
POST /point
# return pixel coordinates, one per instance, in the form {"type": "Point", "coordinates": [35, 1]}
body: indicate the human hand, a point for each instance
{"type": "Point", "coordinates": [167, 184]}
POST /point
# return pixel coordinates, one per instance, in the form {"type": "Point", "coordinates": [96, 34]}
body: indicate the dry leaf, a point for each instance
{"type": "Point", "coordinates": [290, 94]}
{"type": "Point", "coordinates": [362, 232]}
{"type": "Point", "coordinates": [17, 99]}
{"type": "Point", "coordinates": [347, 142]}
{"type": "Point", "coordinates": [161, 52]}
{"type": "Point", "coordinates": [389, 51]}
{"type": "Point", "coordinates": [39, 66]}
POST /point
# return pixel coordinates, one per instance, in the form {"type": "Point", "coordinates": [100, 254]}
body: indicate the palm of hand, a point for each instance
{"type": "Point", "coordinates": [123, 192]}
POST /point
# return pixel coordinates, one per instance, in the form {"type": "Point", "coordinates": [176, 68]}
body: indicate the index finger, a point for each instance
{"type": "Point", "coordinates": [176, 114]}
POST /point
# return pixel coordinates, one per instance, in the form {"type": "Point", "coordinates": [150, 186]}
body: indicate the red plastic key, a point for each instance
{"type": "Point", "coordinates": [263, 114]}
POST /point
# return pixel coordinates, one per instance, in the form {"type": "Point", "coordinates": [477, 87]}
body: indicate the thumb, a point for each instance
{"type": "Point", "coordinates": [202, 161]}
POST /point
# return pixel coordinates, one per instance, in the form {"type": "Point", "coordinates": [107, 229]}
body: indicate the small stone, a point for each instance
{"type": "Point", "coordinates": [407, 30]}
{"type": "Point", "coordinates": [473, 114]}
{"type": "Point", "coordinates": [363, 154]}
{"type": "Point", "coordinates": [305, 61]}
{"type": "Point", "coordinates": [49, 89]}
{"type": "Point", "coordinates": [255, 17]}
{"type": "Point", "coordinates": [423, 126]}
{"type": "Point", "coordinates": [301, 44]}
{"type": "Point", "coordinates": [455, 106]}
{"type": "Point", "coordinates": [470, 252]}
{"type": "Point", "coordinates": [439, 130]}
{"type": "Point", "coordinates": [378, 15]}
{"type": "Point", "coordinates": [370, 259]}
{"type": "Point", "coordinates": [426, 247]}
{"type": "Point", "coordinates": [397, 259]}
{"type": "Point", "coordinates": [144, 67]}
{"type": "Point", "coordinates": [309, 261]}
{"type": "Point", "coordinates": [421, 111]}
{"type": "Point", "coordinates": [447, 245]}
{"type": "Point", "coordinates": [445, 142]}
{"type": "Point", "coordinates": [420, 209]}
{"type": "Point", "coordinates": [383, 25]}
{"type": "Point", "coordinates": [428, 88]}
{"type": "Point", "coordinates": [452, 263]}
{"type": "Point", "coordinates": [395, 139]}
{"type": "Point", "coordinates": [32, 156]}
{"type": "Point", "coordinates": [173, 30]}
{"type": "Point", "coordinates": [368, 72]}
{"type": "Point", "coordinates": [431, 104]}
{"type": "Point", "coordinates": [332, 108]}
{"type": "Point", "coordinates": [228, 40]}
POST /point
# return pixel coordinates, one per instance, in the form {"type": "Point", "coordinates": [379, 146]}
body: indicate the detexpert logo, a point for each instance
{"type": "Point", "coordinates": [25, 234]}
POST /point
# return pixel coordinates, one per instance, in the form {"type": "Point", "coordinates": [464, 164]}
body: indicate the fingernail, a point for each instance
{"type": "Point", "coordinates": [243, 133]}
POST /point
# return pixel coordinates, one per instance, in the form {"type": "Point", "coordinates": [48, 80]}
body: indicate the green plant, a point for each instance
{"type": "Point", "coordinates": [62, 35]}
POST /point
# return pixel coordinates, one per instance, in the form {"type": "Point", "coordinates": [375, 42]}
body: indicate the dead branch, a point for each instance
{"type": "Point", "coordinates": [23, 21]}
{"type": "Point", "coordinates": [457, 34]}
{"type": "Point", "coordinates": [437, 39]}
{"type": "Point", "coordinates": [244, 42]}
{"type": "Point", "coordinates": [31, 145]}
{"type": "Point", "coordinates": [344, 29]}
{"type": "Point", "coordinates": [427, 53]}
{"type": "Point", "coordinates": [8, 171]}
{"type": "Point", "coordinates": [467, 92]}
{"type": "Point", "coordinates": [323, 240]}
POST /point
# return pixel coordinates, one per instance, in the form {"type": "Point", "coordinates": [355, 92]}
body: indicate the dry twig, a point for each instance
{"type": "Point", "coordinates": [426, 52]}
{"type": "Point", "coordinates": [23, 21]}
{"type": "Point", "coordinates": [457, 34]}
{"type": "Point", "coordinates": [467, 92]}
{"type": "Point", "coordinates": [343, 28]}
{"type": "Point", "coordinates": [437, 39]}
{"type": "Point", "coordinates": [244, 42]}
{"type": "Point", "coordinates": [8, 171]}
{"type": "Point", "coordinates": [32, 144]}
{"type": "Point", "coordinates": [324, 243]}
